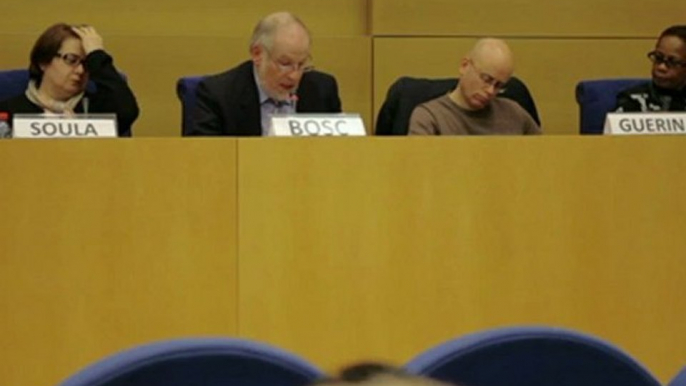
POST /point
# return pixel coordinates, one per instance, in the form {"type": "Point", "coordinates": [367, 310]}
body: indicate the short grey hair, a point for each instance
{"type": "Point", "coordinates": [264, 31]}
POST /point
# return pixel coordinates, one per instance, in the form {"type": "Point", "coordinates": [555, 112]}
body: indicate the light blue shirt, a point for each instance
{"type": "Point", "coordinates": [269, 106]}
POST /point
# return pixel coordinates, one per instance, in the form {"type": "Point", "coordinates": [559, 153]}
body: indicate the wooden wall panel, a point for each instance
{"type": "Point", "coordinates": [413, 241]}
{"type": "Point", "coordinates": [531, 18]}
{"type": "Point", "coordinates": [551, 68]}
{"type": "Point", "coordinates": [176, 18]}
{"type": "Point", "coordinates": [111, 244]}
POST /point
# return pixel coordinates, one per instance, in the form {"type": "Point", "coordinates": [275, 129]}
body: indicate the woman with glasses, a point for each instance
{"type": "Point", "coordinates": [667, 90]}
{"type": "Point", "coordinates": [63, 61]}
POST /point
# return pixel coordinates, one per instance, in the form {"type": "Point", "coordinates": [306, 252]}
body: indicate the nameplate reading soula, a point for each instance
{"type": "Point", "coordinates": [64, 126]}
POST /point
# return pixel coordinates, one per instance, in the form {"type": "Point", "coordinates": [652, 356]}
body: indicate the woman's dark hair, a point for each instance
{"type": "Point", "coordinates": [675, 30]}
{"type": "Point", "coordinates": [47, 46]}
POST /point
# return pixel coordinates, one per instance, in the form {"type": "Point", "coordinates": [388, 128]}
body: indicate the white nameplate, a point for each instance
{"type": "Point", "coordinates": [62, 126]}
{"type": "Point", "coordinates": [316, 125]}
{"type": "Point", "coordinates": [649, 123]}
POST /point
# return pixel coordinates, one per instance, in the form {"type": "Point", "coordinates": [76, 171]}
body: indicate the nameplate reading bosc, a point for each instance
{"type": "Point", "coordinates": [649, 123]}
{"type": "Point", "coordinates": [62, 126]}
{"type": "Point", "coordinates": [316, 125]}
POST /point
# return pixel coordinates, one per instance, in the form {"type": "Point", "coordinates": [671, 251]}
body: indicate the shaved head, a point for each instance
{"type": "Point", "coordinates": [494, 54]}
{"type": "Point", "coordinates": [483, 73]}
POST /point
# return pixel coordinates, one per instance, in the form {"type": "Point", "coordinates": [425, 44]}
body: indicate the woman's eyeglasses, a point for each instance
{"type": "Point", "coordinates": [671, 62]}
{"type": "Point", "coordinates": [71, 59]}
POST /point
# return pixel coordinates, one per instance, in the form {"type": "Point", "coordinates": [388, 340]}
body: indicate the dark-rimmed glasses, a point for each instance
{"type": "Point", "coordinates": [72, 60]}
{"type": "Point", "coordinates": [658, 58]}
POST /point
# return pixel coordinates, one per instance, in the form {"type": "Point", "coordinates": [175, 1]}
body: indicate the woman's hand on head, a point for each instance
{"type": "Point", "coordinates": [90, 39]}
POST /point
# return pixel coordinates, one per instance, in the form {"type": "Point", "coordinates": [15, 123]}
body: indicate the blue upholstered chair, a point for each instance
{"type": "Point", "coordinates": [185, 90]}
{"type": "Point", "coordinates": [598, 97]}
{"type": "Point", "coordinates": [680, 379]}
{"type": "Point", "coordinates": [531, 356]}
{"type": "Point", "coordinates": [406, 93]}
{"type": "Point", "coordinates": [198, 362]}
{"type": "Point", "coordinates": [13, 83]}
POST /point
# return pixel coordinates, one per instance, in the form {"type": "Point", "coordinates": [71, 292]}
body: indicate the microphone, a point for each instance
{"type": "Point", "coordinates": [85, 104]}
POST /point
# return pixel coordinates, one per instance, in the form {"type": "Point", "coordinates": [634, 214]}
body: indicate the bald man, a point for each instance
{"type": "Point", "coordinates": [279, 79]}
{"type": "Point", "coordinates": [472, 107]}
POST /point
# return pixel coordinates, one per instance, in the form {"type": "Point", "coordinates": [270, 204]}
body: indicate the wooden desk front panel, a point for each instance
{"type": "Point", "coordinates": [382, 247]}
{"type": "Point", "coordinates": [107, 244]}
{"type": "Point", "coordinates": [349, 248]}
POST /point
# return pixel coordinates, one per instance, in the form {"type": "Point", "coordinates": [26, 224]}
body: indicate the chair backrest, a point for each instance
{"type": "Point", "coordinates": [185, 90]}
{"type": "Point", "coordinates": [406, 93]}
{"type": "Point", "coordinates": [598, 97]}
{"type": "Point", "coordinates": [198, 362]}
{"type": "Point", "coordinates": [680, 379]}
{"type": "Point", "coordinates": [13, 83]}
{"type": "Point", "coordinates": [531, 356]}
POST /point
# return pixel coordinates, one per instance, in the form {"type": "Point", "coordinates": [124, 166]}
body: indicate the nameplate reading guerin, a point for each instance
{"type": "Point", "coordinates": [316, 125]}
{"type": "Point", "coordinates": [62, 126]}
{"type": "Point", "coordinates": [648, 123]}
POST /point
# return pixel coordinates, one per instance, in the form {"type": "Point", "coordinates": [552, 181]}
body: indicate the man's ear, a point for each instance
{"type": "Point", "coordinates": [257, 54]}
{"type": "Point", "coordinates": [464, 64]}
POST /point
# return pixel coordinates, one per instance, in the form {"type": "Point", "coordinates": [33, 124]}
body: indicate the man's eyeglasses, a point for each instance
{"type": "Point", "coordinates": [671, 62]}
{"type": "Point", "coordinates": [497, 85]}
{"type": "Point", "coordinates": [71, 59]}
{"type": "Point", "coordinates": [285, 67]}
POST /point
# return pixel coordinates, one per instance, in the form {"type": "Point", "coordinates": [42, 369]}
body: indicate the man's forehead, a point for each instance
{"type": "Point", "coordinates": [291, 45]}
{"type": "Point", "coordinates": [498, 70]}
{"type": "Point", "coordinates": [291, 34]}
{"type": "Point", "coordinates": [295, 55]}
{"type": "Point", "coordinates": [290, 50]}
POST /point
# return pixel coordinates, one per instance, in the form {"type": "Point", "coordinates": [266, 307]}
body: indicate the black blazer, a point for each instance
{"type": "Point", "coordinates": [228, 103]}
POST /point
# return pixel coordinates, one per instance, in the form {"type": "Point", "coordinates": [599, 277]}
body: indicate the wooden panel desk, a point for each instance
{"type": "Point", "coordinates": [108, 244]}
{"type": "Point", "coordinates": [337, 249]}
{"type": "Point", "coordinates": [382, 247]}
